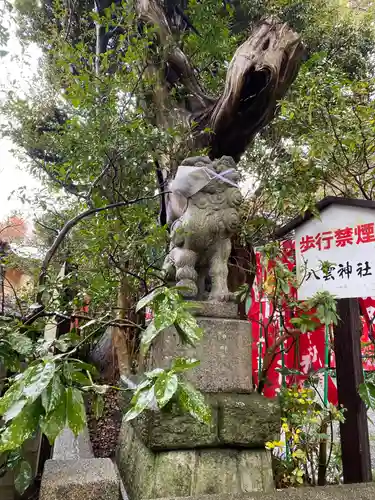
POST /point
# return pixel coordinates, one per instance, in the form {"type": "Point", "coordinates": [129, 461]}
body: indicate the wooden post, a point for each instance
{"type": "Point", "coordinates": [355, 446]}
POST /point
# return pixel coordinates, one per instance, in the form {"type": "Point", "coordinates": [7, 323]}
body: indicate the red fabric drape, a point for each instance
{"type": "Point", "coordinates": [305, 354]}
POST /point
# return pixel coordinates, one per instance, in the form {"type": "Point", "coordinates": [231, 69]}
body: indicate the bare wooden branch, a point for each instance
{"type": "Point", "coordinates": [69, 226]}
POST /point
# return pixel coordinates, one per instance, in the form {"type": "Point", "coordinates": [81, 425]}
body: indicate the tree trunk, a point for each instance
{"type": "Point", "coordinates": [260, 73]}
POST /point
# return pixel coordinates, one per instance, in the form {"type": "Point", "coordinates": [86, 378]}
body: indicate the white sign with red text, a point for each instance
{"type": "Point", "coordinates": [345, 237]}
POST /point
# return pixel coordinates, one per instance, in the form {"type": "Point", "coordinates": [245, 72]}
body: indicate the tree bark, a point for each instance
{"type": "Point", "coordinates": [260, 73]}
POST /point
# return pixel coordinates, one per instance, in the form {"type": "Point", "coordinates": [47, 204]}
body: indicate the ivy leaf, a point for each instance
{"type": "Point", "coordinates": [165, 387]}
{"type": "Point", "coordinates": [193, 401]}
{"type": "Point", "coordinates": [54, 422]}
{"type": "Point", "coordinates": [13, 394]}
{"type": "Point", "coordinates": [183, 364]}
{"type": "Point", "coordinates": [24, 477]}
{"type": "Point", "coordinates": [53, 394]}
{"type": "Point", "coordinates": [21, 427]}
{"type": "Point", "coordinates": [75, 410]}
{"type": "Point", "coordinates": [149, 298]}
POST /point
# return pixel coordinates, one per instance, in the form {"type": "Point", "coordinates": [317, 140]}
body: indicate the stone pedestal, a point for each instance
{"type": "Point", "coordinates": [170, 454]}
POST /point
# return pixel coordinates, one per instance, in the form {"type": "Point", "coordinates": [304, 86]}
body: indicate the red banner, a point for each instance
{"type": "Point", "coordinates": [305, 354]}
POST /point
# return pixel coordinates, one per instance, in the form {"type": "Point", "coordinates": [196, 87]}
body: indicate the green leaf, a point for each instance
{"type": "Point", "coordinates": [53, 394]}
{"type": "Point", "coordinates": [80, 378]}
{"type": "Point", "coordinates": [146, 384]}
{"type": "Point", "coordinates": [24, 477]}
{"type": "Point", "coordinates": [75, 410]}
{"type": "Point", "coordinates": [21, 427]}
{"type": "Point", "coordinates": [20, 343]}
{"type": "Point", "coordinates": [288, 371]}
{"type": "Point", "coordinates": [39, 381]}
{"type": "Point", "coordinates": [140, 402]}
{"type": "Point", "coordinates": [154, 373]}
{"type": "Point", "coordinates": [14, 459]}
{"type": "Point", "coordinates": [193, 401]}
{"type": "Point", "coordinates": [61, 345]}
{"type": "Point", "coordinates": [81, 365]}
{"type": "Point", "coordinates": [183, 364]}
{"type": "Point", "coordinates": [164, 317]}
{"type": "Point", "coordinates": [149, 298]}
{"type": "Point", "coordinates": [75, 101]}
{"type": "Point", "coordinates": [188, 329]}
{"type": "Point", "coordinates": [165, 387]}
{"type": "Point", "coordinates": [148, 336]}
{"type": "Point", "coordinates": [367, 393]}
{"type": "Point", "coordinates": [98, 405]}
{"type": "Point", "coordinates": [26, 389]}
{"type": "Point", "coordinates": [72, 371]}
{"type": "Point", "coordinates": [55, 421]}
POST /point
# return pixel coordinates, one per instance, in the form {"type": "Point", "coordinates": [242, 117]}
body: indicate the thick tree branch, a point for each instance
{"type": "Point", "coordinates": [260, 73]}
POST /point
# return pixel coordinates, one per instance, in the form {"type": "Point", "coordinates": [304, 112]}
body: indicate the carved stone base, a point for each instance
{"type": "Point", "coordinates": [238, 420]}
{"type": "Point", "coordinates": [170, 454]}
{"type": "Point", "coordinates": [224, 354]}
{"type": "Point", "coordinates": [147, 474]}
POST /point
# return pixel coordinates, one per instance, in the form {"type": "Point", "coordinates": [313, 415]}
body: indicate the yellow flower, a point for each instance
{"type": "Point", "coordinates": [279, 443]}
{"type": "Point", "coordinates": [269, 445]}
{"type": "Point", "coordinates": [285, 427]}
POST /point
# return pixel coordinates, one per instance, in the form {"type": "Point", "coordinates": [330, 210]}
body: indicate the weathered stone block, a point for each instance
{"type": "Point", "coordinates": [255, 471]}
{"type": "Point", "coordinates": [224, 354]}
{"type": "Point", "coordinates": [69, 447]}
{"type": "Point", "coordinates": [364, 491]}
{"type": "Point", "coordinates": [174, 472]}
{"type": "Point", "coordinates": [248, 419]}
{"type": "Point", "coordinates": [211, 309]}
{"type": "Point", "coordinates": [216, 471]}
{"type": "Point", "coordinates": [88, 479]}
{"type": "Point", "coordinates": [147, 474]}
{"type": "Point", "coordinates": [136, 463]}
{"type": "Point", "coordinates": [178, 430]}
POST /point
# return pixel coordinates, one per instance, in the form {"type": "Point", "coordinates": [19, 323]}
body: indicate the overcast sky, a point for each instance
{"type": "Point", "coordinates": [16, 70]}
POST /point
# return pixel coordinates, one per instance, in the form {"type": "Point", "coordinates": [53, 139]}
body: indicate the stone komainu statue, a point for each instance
{"type": "Point", "coordinates": [203, 213]}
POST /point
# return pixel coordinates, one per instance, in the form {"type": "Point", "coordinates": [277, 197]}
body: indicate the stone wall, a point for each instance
{"type": "Point", "coordinates": [343, 492]}
{"type": "Point", "coordinates": [169, 453]}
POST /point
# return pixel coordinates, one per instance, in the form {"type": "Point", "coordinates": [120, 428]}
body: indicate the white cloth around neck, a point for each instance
{"type": "Point", "coordinates": [190, 180]}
